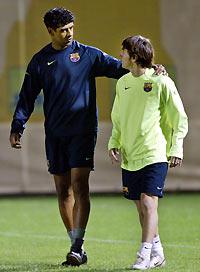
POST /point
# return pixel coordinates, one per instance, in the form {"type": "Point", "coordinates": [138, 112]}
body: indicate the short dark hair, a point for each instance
{"type": "Point", "coordinates": [140, 47]}
{"type": "Point", "coordinates": [58, 17]}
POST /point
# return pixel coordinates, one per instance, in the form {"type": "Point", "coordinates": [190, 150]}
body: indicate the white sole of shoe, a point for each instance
{"type": "Point", "coordinates": [137, 268]}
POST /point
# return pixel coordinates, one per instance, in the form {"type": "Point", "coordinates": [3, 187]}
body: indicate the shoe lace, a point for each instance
{"type": "Point", "coordinates": [140, 257]}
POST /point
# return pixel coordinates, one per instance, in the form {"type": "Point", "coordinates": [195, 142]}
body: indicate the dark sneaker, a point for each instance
{"type": "Point", "coordinates": [65, 263]}
{"type": "Point", "coordinates": [84, 257]}
{"type": "Point", "coordinates": [76, 259]}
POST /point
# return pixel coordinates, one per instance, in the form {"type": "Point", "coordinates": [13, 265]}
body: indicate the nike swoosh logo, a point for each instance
{"type": "Point", "coordinates": [126, 88]}
{"type": "Point", "coordinates": [51, 62]}
{"type": "Point", "coordinates": [159, 188]}
{"type": "Point", "coordinates": [27, 74]}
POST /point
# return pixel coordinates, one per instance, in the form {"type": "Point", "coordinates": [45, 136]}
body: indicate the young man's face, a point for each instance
{"type": "Point", "coordinates": [125, 59]}
{"type": "Point", "coordinates": [62, 36]}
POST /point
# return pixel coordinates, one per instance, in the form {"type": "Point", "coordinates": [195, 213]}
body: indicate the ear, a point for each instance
{"type": "Point", "coordinates": [50, 30]}
{"type": "Point", "coordinates": [134, 58]}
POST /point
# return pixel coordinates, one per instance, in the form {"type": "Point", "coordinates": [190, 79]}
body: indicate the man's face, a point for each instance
{"type": "Point", "coordinates": [125, 59]}
{"type": "Point", "coordinates": [62, 36]}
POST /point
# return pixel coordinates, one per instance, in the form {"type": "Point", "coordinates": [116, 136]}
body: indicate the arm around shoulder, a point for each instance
{"type": "Point", "coordinates": [106, 65]}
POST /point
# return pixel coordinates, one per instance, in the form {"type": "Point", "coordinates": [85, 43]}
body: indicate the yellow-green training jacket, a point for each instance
{"type": "Point", "coordinates": [149, 121]}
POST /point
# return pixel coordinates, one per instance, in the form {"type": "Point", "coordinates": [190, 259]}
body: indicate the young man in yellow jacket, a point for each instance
{"type": "Point", "coordinates": [149, 124]}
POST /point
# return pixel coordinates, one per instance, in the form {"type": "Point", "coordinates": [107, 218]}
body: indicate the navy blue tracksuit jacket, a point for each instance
{"type": "Point", "coordinates": [67, 78]}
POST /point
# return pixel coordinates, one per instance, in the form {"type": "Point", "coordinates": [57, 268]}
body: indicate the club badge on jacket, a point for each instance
{"type": "Point", "coordinates": [74, 57]}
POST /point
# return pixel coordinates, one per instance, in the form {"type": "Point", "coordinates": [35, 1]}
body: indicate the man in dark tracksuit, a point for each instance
{"type": "Point", "coordinates": [65, 70]}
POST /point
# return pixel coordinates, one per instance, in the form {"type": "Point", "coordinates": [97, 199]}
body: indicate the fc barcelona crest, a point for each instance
{"type": "Point", "coordinates": [74, 57]}
{"type": "Point", "coordinates": [147, 87]}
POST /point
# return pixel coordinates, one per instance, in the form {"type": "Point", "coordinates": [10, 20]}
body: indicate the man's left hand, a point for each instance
{"type": "Point", "coordinates": [159, 69]}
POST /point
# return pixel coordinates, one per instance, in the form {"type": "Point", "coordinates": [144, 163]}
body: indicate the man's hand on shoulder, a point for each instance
{"type": "Point", "coordinates": [15, 140]}
{"type": "Point", "coordinates": [159, 69]}
{"type": "Point", "coordinates": [174, 161]}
